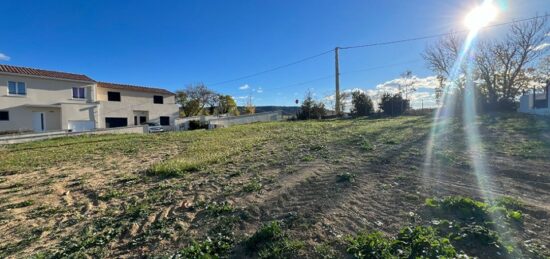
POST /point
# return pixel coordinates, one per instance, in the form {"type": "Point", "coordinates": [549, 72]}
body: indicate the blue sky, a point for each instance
{"type": "Point", "coordinates": [171, 44]}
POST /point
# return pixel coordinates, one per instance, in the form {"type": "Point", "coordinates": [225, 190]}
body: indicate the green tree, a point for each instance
{"type": "Point", "coordinates": [195, 98]}
{"type": "Point", "coordinates": [361, 104]}
{"type": "Point", "coordinates": [393, 105]}
{"type": "Point", "coordinates": [227, 105]}
{"type": "Point", "coordinates": [311, 109]}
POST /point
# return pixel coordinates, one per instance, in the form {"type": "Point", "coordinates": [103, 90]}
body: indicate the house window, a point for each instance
{"type": "Point", "coordinates": [113, 96]}
{"type": "Point", "coordinates": [17, 88]}
{"type": "Point", "coordinates": [158, 99]}
{"type": "Point", "coordinates": [79, 93]}
{"type": "Point", "coordinates": [164, 120]}
{"type": "Point", "coordinates": [4, 116]}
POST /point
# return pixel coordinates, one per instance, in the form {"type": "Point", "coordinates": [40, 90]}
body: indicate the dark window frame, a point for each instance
{"type": "Point", "coordinates": [158, 99]}
{"type": "Point", "coordinates": [5, 116]}
{"type": "Point", "coordinates": [111, 96]}
{"type": "Point", "coordinates": [163, 118]}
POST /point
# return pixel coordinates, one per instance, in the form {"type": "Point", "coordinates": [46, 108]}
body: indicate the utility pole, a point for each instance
{"type": "Point", "coordinates": [337, 69]}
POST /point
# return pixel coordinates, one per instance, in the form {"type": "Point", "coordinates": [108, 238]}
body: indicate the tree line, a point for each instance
{"type": "Point", "coordinates": [198, 100]}
{"type": "Point", "coordinates": [500, 69]}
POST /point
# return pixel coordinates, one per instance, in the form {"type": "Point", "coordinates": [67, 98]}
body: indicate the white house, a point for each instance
{"type": "Point", "coordinates": [536, 102]}
{"type": "Point", "coordinates": [41, 100]}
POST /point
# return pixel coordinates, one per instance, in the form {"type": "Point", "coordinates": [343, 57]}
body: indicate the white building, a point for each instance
{"type": "Point", "coordinates": [40, 100]}
{"type": "Point", "coordinates": [536, 102]}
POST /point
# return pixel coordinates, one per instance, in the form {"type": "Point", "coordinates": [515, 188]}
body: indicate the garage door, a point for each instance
{"type": "Point", "coordinates": [78, 126]}
{"type": "Point", "coordinates": [116, 122]}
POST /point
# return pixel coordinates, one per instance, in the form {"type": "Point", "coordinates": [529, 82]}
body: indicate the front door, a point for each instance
{"type": "Point", "coordinates": [38, 121]}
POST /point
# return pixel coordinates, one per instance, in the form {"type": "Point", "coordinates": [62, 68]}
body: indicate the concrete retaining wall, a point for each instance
{"type": "Point", "coordinates": [14, 139]}
{"type": "Point", "coordinates": [245, 119]}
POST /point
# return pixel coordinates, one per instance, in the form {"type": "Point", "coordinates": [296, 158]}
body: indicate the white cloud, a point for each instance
{"type": "Point", "coordinates": [424, 96]}
{"type": "Point", "coordinates": [4, 57]}
{"type": "Point", "coordinates": [259, 90]}
{"type": "Point", "coordinates": [542, 46]}
{"type": "Point", "coordinates": [244, 87]}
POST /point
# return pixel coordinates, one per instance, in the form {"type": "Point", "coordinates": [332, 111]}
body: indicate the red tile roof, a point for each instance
{"type": "Point", "coordinates": [43, 73]}
{"type": "Point", "coordinates": [134, 88]}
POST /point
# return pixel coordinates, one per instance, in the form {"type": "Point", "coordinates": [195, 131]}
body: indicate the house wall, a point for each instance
{"type": "Point", "coordinates": [41, 92]}
{"type": "Point", "coordinates": [135, 102]}
{"type": "Point", "coordinates": [526, 105]}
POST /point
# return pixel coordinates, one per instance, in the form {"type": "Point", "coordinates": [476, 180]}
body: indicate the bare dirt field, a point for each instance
{"type": "Point", "coordinates": [320, 189]}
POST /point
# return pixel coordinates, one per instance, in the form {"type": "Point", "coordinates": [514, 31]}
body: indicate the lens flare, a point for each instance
{"type": "Point", "coordinates": [461, 84]}
{"type": "Point", "coordinates": [481, 16]}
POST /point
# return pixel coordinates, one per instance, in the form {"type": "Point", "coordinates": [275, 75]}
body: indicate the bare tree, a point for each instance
{"type": "Point", "coordinates": [504, 65]}
{"type": "Point", "coordinates": [406, 86]}
{"type": "Point", "coordinates": [441, 58]}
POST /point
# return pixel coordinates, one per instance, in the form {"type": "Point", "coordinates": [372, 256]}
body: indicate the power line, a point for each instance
{"type": "Point", "coordinates": [439, 35]}
{"type": "Point", "coordinates": [371, 45]}
{"type": "Point", "coordinates": [272, 69]}
{"type": "Point", "coordinates": [342, 73]}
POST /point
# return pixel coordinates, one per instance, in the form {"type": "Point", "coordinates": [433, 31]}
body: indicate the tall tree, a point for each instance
{"type": "Point", "coordinates": [407, 82]}
{"type": "Point", "coordinates": [361, 104]}
{"type": "Point", "coordinates": [227, 105]}
{"type": "Point", "coordinates": [195, 98]}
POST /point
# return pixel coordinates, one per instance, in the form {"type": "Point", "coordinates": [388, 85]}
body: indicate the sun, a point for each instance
{"type": "Point", "coordinates": [481, 16]}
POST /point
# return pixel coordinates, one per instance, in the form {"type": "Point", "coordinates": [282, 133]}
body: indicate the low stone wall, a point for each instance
{"type": "Point", "coordinates": [245, 119]}
{"type": "Point", "coordinates": [14, 139]}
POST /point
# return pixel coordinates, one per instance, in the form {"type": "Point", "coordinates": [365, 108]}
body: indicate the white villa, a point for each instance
{"type": "Point", "coordinates": [536, 102]}
{"type": "Point", "coordinates": [41, 100]}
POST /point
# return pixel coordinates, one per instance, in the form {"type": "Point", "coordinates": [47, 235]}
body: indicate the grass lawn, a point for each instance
{"type": "Point", "coordinates": [336, 188]}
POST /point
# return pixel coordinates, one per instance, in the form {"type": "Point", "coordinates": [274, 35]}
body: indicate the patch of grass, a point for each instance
{"type": "Point", "coordinates": [46, 211]}
{"type": "Point", "coordinates": [478, 227]}
{"type": "Point", "coordinates": [217, 209]}
{"type": "Point", "coordinates": [18, 205]}
{"type": "Point", "coordinates": [209, 248]}
{"type": "Point", "coordinates": [308, 158]}
{"type": "Point", "coordinates": [110, 195]}
{"type": "Point", "coordinates": [137, 209]}
{"type": "Point", "coordinates": [472, 210]}
{"type": "Point", "coordinates": [367, 146]}
{"type": "Point", "coordinates": [417, 242]}
{"type": "Point", "coordinates": [253, 186]}
{"type": "Point", "coordinates": [271, 242]}
{"type": "Point", "coordinates": [347, 177]}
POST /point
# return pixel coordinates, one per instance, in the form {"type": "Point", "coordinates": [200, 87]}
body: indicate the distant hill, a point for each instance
{"type": "Point", "coordinates": [287, 110]}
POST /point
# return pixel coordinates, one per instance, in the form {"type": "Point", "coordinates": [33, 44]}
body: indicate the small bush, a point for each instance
{"type": "Point", "coordinates": [209, 248]}
{"type": "Point", "coordinates": [253, 186]}
{"type": "Point", "coordinates": [368, 245]}
{"type": "Point", "coordinates": [270, 242]}
{"type": "Point", "coordinates": [265, 234]}
{"type": "Point", "coordinates": [347, 177]}
{"type": "Point", "coordinates": [418, 242]}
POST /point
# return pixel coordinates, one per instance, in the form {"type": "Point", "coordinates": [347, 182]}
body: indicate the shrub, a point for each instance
{"type": "Point", "coordinates": [347, 177]}
{"type": "Point", "coordinates": [252, 186]}
{"type": "Point", "coordinates": [393, 105]}
{"type": "Point", "coordinates": [266, 233]}
{"type": "Point", "coordinates": [423, 242]}
{"type": "Point", "coordinates": [368, 245]}
{"type": "Point", "coordinates": [311, 109]}
{"type": "Point", "coordinates": [417, 242]}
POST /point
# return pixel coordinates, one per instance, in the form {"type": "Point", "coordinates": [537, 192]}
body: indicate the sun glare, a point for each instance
{"type": "Point", "coordinates": [481, 16]}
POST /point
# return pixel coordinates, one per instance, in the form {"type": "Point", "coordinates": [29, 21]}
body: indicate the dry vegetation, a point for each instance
{"type": "Point", "coordinates": [341, 188]}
